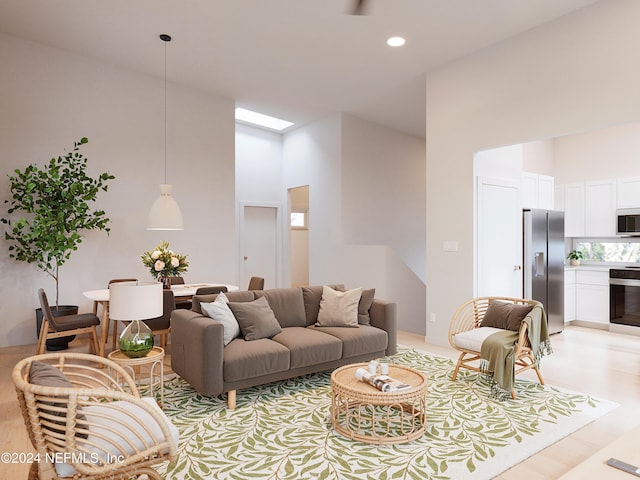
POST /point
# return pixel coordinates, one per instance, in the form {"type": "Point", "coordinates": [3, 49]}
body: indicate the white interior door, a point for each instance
{"type": "Point", "coordinates": [259, 245]}
{"type": "Point", "coordinates": [499, 229]}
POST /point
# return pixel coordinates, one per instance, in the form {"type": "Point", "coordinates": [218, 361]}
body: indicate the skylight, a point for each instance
{"type": "Point", "coordinates": [261, 119]}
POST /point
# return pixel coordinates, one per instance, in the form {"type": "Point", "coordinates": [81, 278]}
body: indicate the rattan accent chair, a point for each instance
{"type": "Point", "coordinates": [97, 428]}
{"type": "Point", "coordinates": [469, 317]}
{"type": "Point", "coordinates": [66, 325]}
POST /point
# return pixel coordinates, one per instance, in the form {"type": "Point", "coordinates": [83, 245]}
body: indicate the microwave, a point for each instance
{"type": "Point", "coordinates": [628, 221]}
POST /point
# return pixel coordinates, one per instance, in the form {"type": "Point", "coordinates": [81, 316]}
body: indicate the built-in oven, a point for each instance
{"type": "Point", "coordinates": [624, 296]}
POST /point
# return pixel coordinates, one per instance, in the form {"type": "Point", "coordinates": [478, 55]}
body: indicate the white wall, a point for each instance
{"type": "Point", "coordinates": [612, 152]}
{"type": "Point", "coordinates": [568, 76]}
{"type": "Point", "coordinates": [51, 98]}
{"type": "Point", "coordinates": [258, 165]}
{"type": "Point", "coordinates": [537, 157]}
{"type": "Point", "coordinates": [354, 192]}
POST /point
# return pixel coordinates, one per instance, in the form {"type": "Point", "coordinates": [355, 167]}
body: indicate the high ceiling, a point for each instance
{"type": "Point", "coordinates": [296, 59]}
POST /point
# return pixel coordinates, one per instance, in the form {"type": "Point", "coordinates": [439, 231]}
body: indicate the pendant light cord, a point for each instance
{"type": "Point", "coordinates": [165, 38]}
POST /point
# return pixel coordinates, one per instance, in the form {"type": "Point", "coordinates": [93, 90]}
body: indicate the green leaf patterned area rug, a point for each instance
{"type": "Point", "coordinates": [283, 430]}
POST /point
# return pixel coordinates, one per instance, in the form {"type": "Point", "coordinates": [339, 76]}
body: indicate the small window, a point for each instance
{"type": "Point", "coordinates": [299, 220]}
{"type": "Point", "coordinates": [612, 250]}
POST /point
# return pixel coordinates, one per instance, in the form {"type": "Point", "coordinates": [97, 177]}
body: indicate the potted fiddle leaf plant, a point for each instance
{"type": "Point", "coordinates": [49, 209]}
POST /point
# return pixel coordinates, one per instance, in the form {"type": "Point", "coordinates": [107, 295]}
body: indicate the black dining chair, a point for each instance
{"type": "Point", "coordinates": [66, 325]}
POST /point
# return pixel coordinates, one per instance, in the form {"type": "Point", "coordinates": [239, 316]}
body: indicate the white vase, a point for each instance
{"type": "Point", "coordinates": [575, 262]}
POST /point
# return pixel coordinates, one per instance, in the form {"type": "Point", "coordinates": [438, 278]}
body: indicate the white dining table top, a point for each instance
{"type": "Point", "coordinates": [102, 295]}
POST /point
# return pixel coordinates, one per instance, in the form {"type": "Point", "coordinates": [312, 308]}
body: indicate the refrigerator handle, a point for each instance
{"type": "Point", "coordinates": [538, 264]}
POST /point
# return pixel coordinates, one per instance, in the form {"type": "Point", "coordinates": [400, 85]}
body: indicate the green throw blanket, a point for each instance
{"type": "Point", "coordinates": [498, 351]}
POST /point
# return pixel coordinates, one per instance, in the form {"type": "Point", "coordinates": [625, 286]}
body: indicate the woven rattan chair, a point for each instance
{"type": "Point", "coordinates": [469, 317]}
{"type": "Point", "coordinates": [99, 427]}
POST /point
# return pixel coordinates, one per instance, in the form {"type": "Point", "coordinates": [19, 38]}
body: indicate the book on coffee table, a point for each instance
{"type": "Point", "coordinates": [384, 383]}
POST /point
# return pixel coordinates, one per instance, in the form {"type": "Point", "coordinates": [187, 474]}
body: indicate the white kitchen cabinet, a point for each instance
{"type": "Point", "coordinates": [545, 192]}
{"type": "Point", "coordinates": [592, 296]}
{"type": "Point", "coordinates": [574, 211]}
{"type": "Point", "coordinates": [569, 295]}
{"type": "Point", "coordinates": [628, 192]}
{"type": "Point", "coordinates": [537, 191]}
{"type": "Point", "coordinates": [600, 208]}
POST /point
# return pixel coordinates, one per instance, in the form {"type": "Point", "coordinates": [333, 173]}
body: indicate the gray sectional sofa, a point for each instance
{"type": "Point", "coordinates": [199, 355]}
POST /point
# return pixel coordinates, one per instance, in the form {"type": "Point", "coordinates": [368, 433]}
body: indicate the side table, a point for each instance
{"type": "Point", "coordinates": [154, 359]}
{"type": "Point", "coordinates": [361, 412]}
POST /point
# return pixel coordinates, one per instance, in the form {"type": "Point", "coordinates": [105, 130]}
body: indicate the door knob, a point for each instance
{"type": "Point", "coordinates": [515, 267]}
{"type": "Point", "coordinates": [246, 258]}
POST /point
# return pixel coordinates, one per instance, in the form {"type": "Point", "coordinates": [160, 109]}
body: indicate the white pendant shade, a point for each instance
{"type": "Point", "coordinates": [135, 300]}
{"type": "Point", "coordinates": [165, 213]}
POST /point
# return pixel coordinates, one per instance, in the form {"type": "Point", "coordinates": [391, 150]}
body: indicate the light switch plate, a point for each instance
{"type": "Point", "coordinates": [450, 246]}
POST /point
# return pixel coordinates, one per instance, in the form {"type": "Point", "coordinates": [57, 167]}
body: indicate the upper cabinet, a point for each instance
{"type": "Point", "coordinates": [574, 210]}
{"type": "Point", "coordinates": [590, 208]}
{"type": "Point", "coordinates": [600, 208]}
{"type": "Point", "coordinates": [537, 191]}
{"type": "Point", "coordinates": [629, 192]}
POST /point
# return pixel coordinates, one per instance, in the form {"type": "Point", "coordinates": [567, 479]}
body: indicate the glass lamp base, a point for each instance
{"type": "Point", "coordinates": [136, 340]}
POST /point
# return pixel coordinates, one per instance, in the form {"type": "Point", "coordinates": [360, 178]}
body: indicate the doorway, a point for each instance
{"type": "Point", "coordinates": [299, 235]}
{"type": "Point", "coordinates": [260, 244]}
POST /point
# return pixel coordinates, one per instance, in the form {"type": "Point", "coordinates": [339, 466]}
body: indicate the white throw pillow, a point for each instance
{"type": "Point", "coordinates": [339, 309]}
{"type": "Point", "coordinates": [114, 420]}
{"type": "Point", "coordinates": [220, 311]}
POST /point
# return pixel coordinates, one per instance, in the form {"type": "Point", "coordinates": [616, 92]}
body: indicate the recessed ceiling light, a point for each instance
{"type": "Point", "coordinates": [261, 119]}
{"type": "Point", "coordinates": [395, 41]}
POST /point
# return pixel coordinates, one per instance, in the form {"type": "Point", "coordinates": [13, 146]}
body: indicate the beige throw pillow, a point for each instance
{"type": "Point", "coordinates": [339, 309]}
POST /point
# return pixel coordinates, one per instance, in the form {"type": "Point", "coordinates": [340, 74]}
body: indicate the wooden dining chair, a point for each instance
{"type": "Point", "coordinates": [161, 325]}
{"type": "Point", "coordinates": [211, 290]}
{"type": "Point", "coordinates": [66, 325]}
{"type": "Point", "coordinates": [256, 283]}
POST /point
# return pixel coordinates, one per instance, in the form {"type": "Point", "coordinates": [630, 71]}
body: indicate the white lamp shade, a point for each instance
{"type": "Point", "coordinates": [165, 213]}
{"type": "Point", "coordinates": [135, 301]}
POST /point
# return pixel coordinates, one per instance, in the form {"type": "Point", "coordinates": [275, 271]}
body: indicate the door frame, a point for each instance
{"type": "Point", "coordinates": [241, 231]}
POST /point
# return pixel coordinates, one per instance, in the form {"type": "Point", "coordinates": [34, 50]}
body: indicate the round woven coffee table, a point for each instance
{"type": "Point", "coordinates": [361, 412]}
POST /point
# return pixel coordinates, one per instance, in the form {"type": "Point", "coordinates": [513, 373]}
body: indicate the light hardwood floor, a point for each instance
{"type": "Point", "coordinates": [592, 361]}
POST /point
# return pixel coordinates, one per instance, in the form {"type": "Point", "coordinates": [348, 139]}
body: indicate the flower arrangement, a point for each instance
{"type": "Point", "coordinates": [163, 262]}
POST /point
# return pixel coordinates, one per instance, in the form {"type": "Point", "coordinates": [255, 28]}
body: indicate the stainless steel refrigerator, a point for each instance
{"type": "Point", "coordinates": [543, 263]}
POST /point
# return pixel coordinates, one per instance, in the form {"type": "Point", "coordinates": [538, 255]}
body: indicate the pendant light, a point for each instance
{"type": "Point", "coordinates": [165, 213]}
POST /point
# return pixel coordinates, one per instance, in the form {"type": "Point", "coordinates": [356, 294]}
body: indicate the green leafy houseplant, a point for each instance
{"type": "Point", "coordinates": [575, 255]}
{"type": "Point", "coordinates": [50, 207]}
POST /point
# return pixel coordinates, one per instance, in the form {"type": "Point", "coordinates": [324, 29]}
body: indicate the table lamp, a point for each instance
{"type": "Point", "coordinates": [133, 302]}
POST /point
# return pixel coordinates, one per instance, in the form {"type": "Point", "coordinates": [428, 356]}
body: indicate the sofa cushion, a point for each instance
{"type": "Point", "coordinates": [220, 311]}
{"type": "Point", "coordinates": [357, 341]}
{"type": "Point", "coordinates": [366, 300]}
{"type": "Point", "coordinates": [287, 305]}
{"type": "Point", "coordinates": [309, 347]}
{"type": "Point", "coordinates": [243, 359]}
{"type": "Point", "coordinates": [339, 309]}
{"type": "Point", "coordinates": [240, 296]}
{"type": "Point", "coordinates": [312, 296]}
{"type": "Point", "coordinates": [256, 319]}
